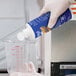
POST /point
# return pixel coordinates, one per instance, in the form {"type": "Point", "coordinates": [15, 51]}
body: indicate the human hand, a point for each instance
{"type": "Point", "coordinates": [56, 8]}
{"type": "Point", "coordinates": [29, 71]}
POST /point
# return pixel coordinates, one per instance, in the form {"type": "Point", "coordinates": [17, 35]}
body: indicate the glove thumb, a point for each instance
{"type": "Point", "coordinates": [31, 67]}
{"type": "Point", "coordinates": [43, 11]}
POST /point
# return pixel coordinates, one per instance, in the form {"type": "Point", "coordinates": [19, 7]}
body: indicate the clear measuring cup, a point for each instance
{"type": "Point", "coordinates": [19, 53]}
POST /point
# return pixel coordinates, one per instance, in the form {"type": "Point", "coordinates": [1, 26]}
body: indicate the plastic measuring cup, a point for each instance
{"type": "Point", "coordinates": [19, 53]}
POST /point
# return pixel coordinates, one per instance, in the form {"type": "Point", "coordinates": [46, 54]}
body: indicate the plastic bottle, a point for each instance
{"type": "Point", "coordinates": [33, 30]}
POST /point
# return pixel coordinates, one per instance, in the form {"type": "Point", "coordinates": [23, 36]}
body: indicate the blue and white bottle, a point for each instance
{"type": "Point", "coordinates": [33, 30]}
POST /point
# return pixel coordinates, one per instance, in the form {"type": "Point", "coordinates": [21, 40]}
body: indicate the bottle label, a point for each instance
{"type": "Point", "coordinates": [42, 21]}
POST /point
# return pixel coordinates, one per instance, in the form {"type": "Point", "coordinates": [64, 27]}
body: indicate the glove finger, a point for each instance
{"type": "Point", "coordinates": [26, 67]}
{"type": "Point", "coordinates": [52, 20]}
{"type": "Point", "coordinates": [31, 67]}
{"type": "Point", "coordinates": [14, 74]}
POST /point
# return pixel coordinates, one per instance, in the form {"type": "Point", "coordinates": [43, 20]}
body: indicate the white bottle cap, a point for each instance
{"type": "Point", "coordinates": [22, 35]}
{"type": "Point", "coordinates": [26, 33]}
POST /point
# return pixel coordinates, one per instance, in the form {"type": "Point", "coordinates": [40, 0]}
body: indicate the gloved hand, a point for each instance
{"type": "Point", "coordinates": [56, 7]}
{"type": "Point", "coordinates": [29, 71]}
